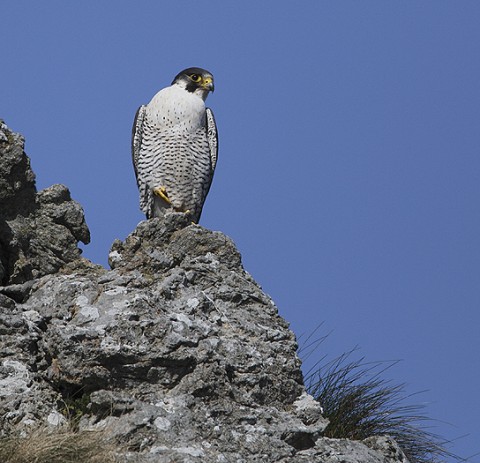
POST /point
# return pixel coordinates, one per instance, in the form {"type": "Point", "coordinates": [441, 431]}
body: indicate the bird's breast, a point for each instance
{"type": "Point", "coordinates": [175, 108]}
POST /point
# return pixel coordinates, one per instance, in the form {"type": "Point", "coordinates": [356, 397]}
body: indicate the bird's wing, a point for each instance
{"type": "Point", "coordinates": [212, 138]}
{"type": "Point", "coordinates": [137, 132]}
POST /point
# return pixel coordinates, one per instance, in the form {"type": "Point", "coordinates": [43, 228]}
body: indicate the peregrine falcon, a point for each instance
{"type": "Point", "coordinates": [175, 146]}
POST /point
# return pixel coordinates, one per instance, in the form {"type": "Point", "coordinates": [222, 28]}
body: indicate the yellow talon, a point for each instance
{"type": "Point", "coordinates": [162, 192]}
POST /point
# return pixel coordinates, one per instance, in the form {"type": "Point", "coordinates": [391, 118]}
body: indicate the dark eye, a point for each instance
{"type": "Point", "coordinates": [195, 77]}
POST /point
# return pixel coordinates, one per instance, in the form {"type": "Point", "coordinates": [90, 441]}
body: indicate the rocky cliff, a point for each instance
{"type": "Point", "coordinates": [175, 350]}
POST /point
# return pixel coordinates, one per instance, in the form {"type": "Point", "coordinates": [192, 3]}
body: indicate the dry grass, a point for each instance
{"type": "Point", "coordinates": [45, 445]}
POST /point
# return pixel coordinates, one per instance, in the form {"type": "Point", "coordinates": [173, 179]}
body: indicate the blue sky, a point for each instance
{"type": "Point", "coordinates": [349, 163]}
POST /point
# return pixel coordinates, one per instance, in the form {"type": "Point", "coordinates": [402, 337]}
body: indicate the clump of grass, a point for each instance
{"type": "Point", "coordinates": [74, 407]}
{"type": "Point", "coordinates": [360, 403]}
{"type": "Point", "coordinates": [63, 445]}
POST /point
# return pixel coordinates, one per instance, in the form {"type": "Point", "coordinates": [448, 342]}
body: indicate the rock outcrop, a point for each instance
{"type": "Point", "coordinates": [39, 232]}
{"type": "Point", "coordinates": [176, 351]}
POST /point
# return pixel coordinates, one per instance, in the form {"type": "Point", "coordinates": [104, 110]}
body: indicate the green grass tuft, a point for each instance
{"type": "Point", "coordinates": [360, 403]}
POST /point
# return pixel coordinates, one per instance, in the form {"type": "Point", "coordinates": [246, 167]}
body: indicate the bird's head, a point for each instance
{"type": "Point", "coordinates": [195, 80]}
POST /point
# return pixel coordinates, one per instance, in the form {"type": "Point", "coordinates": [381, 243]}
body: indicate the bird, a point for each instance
{"type": "Point", "coordinates": [175, 146]}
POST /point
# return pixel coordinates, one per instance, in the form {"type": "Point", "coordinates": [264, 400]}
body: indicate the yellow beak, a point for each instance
{"type": "Point", "coordinates": [208, 84]}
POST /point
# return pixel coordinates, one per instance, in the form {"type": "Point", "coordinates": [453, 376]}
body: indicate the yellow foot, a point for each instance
{"type": "Point", "coordinates": [162, 192]}
{"type": "Point", "coordinates": [187, 212]}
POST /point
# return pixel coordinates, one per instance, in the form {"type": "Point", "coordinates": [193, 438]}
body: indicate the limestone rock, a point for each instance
{"type": "Point", "coordinates": [176, 350]}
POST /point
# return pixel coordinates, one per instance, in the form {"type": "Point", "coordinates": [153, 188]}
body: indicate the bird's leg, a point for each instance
{"type": "Point", "coordinates": [162, 193]}
{"type": "Point", "coordinates": [188, 213]}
